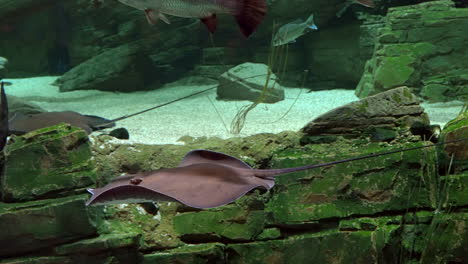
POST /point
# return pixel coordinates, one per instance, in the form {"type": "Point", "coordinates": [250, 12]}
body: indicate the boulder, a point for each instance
{"type": "Point", "coordinates": [50, 162]}
{"type": "Point", "coordinates": [37, 225]}
{"type": "Point", "coordinates": [394, 109]}
{"type": "Point", "coordinates": [125, 68]}
{"type": "Point", "coordinates": [250, 81]}
{"type": "Point", "coordinates": [454, 130]}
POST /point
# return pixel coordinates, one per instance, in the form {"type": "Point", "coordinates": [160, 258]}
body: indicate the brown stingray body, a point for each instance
{"type": "Point", "coordinates": [203, 179]}
{"type": "Point", "coordinates": [22, 124]}
{"type": "Point", "coordinates": [201, 174]}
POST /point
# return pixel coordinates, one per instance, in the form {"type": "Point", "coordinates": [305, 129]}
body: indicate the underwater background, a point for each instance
{"type": "Point", "coordinates": [298, 82]}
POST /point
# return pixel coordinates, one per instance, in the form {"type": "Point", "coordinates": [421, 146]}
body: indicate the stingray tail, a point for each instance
{"type": "Point", "coordinates": [270, 174]}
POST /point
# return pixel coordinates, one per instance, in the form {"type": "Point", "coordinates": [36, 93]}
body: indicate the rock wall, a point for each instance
{"type": "Point", "coordinates": [388, 209]}
{"type": "Point", "coordinates": [423, 47]}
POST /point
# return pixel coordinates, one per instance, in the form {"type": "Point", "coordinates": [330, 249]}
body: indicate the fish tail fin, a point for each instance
{"type": "Point", "coordinates": [368, 3]}
{"type": "Point", "coordinates": [310, 22]}
{"type": "Point", "coordinates": [250, 15]}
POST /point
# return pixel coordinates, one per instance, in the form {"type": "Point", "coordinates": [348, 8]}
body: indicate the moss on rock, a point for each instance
{"type": "Point", "coordinates": [47, 163]}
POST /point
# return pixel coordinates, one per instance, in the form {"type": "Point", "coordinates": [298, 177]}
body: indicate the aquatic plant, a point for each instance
{"type": "Point", "coordinates": [277, 61]}
{"type": "Point", "coordinates": [430, 236]}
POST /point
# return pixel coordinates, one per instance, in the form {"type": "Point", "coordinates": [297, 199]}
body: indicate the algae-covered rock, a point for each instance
{"type": "Point", "coordinates": [38, 260]}
{"type": "Point", "coordinates": [421, 46]}
{"type": "Point", "coordinates": [108, 248]}
{"type": "Point", "coordinates": [455, 130]}
{"type": "Point", "coordinates": [323, 247]}
{"type": "Point", "coordinates": [101, 243]}
{"type": "Point", "coordinates": [156, 231]}
{"type": "Point", "coordinates": [229, 222]}
{"type": "Point", "coordinates": [45, 163]}
{"type": "Point", "coordinates": [455, 193]}
{"type": "Point", "coordinates": [445, 240]}
{"type": "Point", "coordinates": [366, 187]}
{"type": "Point", "coordinates": [31, 226]}
{"type": "Point", "coordinates": [397, 108]}
{"type": "Point", "coordinates": [203, 253]}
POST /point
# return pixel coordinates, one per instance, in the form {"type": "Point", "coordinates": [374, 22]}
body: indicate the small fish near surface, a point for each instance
{"type": "Point", "coordinates": [290, 32]}
{"type": "Point", "coordinates": [203, 179]}
{"type": "Point", "coordinates": [248, 13]}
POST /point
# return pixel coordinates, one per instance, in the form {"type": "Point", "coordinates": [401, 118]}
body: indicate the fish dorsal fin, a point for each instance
{"type": "Point", "coordinates": [207, 156]}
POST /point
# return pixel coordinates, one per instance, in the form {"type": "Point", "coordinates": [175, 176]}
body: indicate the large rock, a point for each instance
{"type": "Point", "coordinates": [125, 68]}
{"type": "Point", "coordinates": [49, 162]}
{"type": "Point", "coordinates": [455, 130]}
{"type": "Point", "coordinates": [250, 81]}
{"type": "Point", "coordinates": [397, 108]}
{"type": "Point", "coordinates": [37, 225]}
{"type": "Point", "coordinates": [421, 46]}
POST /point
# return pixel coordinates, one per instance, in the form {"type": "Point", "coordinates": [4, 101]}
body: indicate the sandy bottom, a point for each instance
{"type": "Point", "coordinates": [196, 116]}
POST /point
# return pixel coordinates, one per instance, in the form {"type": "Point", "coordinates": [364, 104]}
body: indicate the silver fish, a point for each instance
{"type": "Point", "coordinates": [248, 13]}
{"type": "Point", "coordinates": [290, 32]}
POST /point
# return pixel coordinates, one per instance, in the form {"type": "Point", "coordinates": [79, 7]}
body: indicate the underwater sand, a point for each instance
{"type": "Point", "coordinates": [195, 116]}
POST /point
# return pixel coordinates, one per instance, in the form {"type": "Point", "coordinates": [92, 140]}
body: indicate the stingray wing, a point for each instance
{"type": "Point", "coordinates": [208, 156]}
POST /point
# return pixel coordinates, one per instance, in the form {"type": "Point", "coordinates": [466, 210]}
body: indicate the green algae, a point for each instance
{"type": "Point", "coordinates": [49, 162]}
{"type": "Point", "coordinates": [230, 222]}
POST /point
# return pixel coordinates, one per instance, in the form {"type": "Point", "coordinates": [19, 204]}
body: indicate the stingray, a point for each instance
{"type": "Point", "coordinates": [203, 179]}
{"type": "Point", "coordinates": [21, 124]}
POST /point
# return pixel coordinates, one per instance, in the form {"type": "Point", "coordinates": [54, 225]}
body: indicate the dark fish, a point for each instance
{"type": "Point", "coordinates": [248, 13]}
{"type": "Point", "coordinates": [3, 117]}
{"type": "Point", "coordinates": [203, 179]}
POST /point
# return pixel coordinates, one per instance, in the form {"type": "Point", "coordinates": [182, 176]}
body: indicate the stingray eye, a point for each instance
{"type": "Point", "coordinates": [136, 181]}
